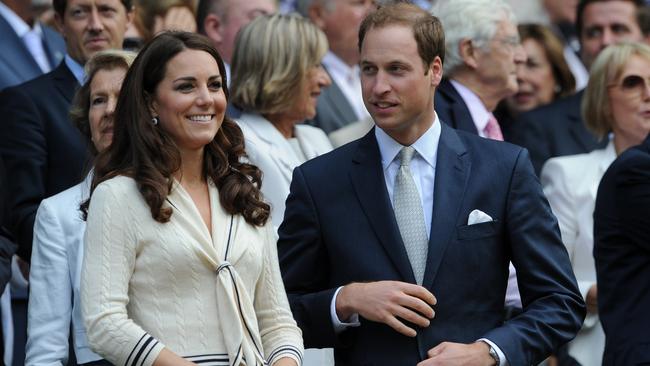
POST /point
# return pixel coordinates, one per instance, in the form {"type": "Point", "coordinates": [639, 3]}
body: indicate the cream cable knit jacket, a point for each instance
{"type": "Point", "coordinates": [146, 285]}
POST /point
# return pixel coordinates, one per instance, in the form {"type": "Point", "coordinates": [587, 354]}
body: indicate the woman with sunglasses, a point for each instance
{"type": "Point", "coordinates": [616, 105]}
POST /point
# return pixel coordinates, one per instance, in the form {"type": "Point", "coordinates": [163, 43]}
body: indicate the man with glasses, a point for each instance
{"type": "Point", "coordinates": [483, 50]}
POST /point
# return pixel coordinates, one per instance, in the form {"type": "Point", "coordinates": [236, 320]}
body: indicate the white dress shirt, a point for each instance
{"type": "Point", "coordinates": [32, 37]}
{"type": "Point", "coordinates": [348, 80]}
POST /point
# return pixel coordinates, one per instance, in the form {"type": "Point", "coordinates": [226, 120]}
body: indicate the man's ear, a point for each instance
{"type": "Point", "coordinates": [435, 69]}
{"type": "Point", "coordinates": [468, 53]}
{"type": "Point", "coordinates": [58, 22]}
{"type": "Point", "coordinates": [316, 13]}
{"type": "Point", "coordinates": [213, 26]}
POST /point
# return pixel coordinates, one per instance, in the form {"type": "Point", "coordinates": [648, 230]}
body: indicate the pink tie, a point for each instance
{"type": "Point", "coordinates": [492, 129]}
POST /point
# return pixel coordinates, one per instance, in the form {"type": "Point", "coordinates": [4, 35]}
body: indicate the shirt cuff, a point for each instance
{"type": "Point", "coordinates": [340, 326]}
{"type": "Point", "coordinates": [502, 357]}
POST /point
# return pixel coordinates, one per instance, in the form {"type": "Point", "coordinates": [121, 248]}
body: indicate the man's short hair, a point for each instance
{"type": "Point", "coordinates": [207, 7]}
{"type": "Point", "coordinates": [605, 71]}
{"type": "Point", "coordinates": [639, 4]}
{"type": "Point", "coordinates": [427, 29]}
{"type": "Point", "coordinates": [60, 5]}
{"type": "Point", "coordinates": [476, 20]}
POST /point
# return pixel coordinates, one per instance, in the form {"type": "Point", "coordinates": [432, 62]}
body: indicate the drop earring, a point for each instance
{"type": "Point", "coordinates": [155, 121]}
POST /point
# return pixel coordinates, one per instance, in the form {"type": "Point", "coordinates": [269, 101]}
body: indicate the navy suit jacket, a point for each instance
{"type": "Point", "coordinates": [622, 253]}
{"type": "Point", "coordinates": [43, 152]}
{"type": "Point", "coordinates": [554, 130]}
{"type": "Point", "coordinates": [339, 228]}
{"type": "Point", "coordinates": [17, 64]}
{"type": "Point", "coordinates": [451, 108]}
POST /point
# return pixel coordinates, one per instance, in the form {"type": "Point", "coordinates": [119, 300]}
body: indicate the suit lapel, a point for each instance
{"type": "Point", "coordinates": [16, 54]}
{"type": "Point", "coordinates": [459, 115]}
{"type": "Point", "coordinates": [368, 182]}
{"type": "Point", "coordinates": [452, 172]}
{"type": "Point", "coordinates": [339, 103]}
{"type": "Point", "coordinates": [65, 81]}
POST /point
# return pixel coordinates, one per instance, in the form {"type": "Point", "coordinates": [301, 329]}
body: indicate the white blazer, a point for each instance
{"type": "Point", "coordinates": [57, 254]}
{"type": "Point", "coordinates": [273, 154]}
{"type": "Point", "coordinates": [570, 184]}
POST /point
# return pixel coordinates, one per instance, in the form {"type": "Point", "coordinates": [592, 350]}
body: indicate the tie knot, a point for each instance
{"type": "Point", "coordinates": [405, 155]}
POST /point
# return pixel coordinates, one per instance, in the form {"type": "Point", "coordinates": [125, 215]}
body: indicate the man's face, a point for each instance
{"type": "Point", "coordinates": [497, 65]}
{"type": "Point", "coordinates": [89, 26]}
{"type": "Point", "coordinates": [238, 14]}
{"type": "Point", "coordinates": [340, 20]}
{"type": "Point", "coordinates": [397, 87]}
{"type": "Point", "coordinates": [607, 22]}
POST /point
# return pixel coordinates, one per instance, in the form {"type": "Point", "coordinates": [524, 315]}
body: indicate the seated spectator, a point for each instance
{"type": "Point", "coordinates": [154, 16]}
{"type": "Point", "coordinates": [542, 78]}
{"type": "Point", "coordinates": [286, 61]}
{"type": "Point", "coordinates": [616, 102]}
{"type": "Point", "coordinates": [58, 229]}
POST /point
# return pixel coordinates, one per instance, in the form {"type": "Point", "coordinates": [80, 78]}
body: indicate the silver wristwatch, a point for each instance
{"type": "Point", "coordinates": [494, 355]}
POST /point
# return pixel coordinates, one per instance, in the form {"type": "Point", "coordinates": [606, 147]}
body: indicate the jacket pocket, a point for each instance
{"type": "Point", "coordinates": [478, 231]}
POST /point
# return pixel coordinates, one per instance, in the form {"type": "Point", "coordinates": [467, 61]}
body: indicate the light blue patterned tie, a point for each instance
{"type": "Point", "coordinates": [410, 215]}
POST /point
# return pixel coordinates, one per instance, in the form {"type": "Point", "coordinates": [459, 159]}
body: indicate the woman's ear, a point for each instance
{"type": "Point", "coordinates": [151, 105]}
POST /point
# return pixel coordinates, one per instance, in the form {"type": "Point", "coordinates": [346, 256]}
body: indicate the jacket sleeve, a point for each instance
{"type": "Point", "coordinates": [109, 260]}
{"type": "Point", "coordinates": [553, 309]}
{"type": "Point", "coordinates": [280, 335]}
{"type": "Point", "coordinates": [50, 292]}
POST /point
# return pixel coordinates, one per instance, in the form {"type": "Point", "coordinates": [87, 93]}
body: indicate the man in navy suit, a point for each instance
{"type": "Point", "coordinates": [557, 129]}
{"type": "Point", "coordinates": [389, 286]}
{"type": "Point", "coordinates": [622, 253]}
{"type": "Point", "coordinates": [43, 152]}
{"type": "Point", "coordinates": [34, 48]}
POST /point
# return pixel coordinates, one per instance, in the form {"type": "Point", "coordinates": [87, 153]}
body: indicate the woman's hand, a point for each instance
{"type": "Point", "coordinates": [592, 300]}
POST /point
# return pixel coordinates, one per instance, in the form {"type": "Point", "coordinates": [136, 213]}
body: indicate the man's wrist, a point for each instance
{"type": "Point", "coordinates": [492, 354]}
{"type": "Point", "coordinates": [344, 307]}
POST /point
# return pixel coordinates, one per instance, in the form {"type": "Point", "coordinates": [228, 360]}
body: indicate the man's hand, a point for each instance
{"type": "Point", "coordinates": [385, 302]}
{"type": "Point", "coordinates": [592, 300]}
{"type": "Point", "coordinates": [457, 354]}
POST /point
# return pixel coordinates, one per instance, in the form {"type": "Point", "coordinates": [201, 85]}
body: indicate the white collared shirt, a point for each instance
{"type": "Point", "coordinates": [348, 80]}
{"type": "Point", "coordinates": [76, 69]}
{"type": "Point", "coordinates": [32, 37]}
{"type": "Point", "coordinates": [423, 165]}
{"type": "Point", "coordinates": [480, 114]}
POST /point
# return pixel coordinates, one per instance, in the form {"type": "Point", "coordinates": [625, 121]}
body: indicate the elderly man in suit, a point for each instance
{"type": "Point", "coordinates": [35, 48]}
{"type": "Point", "coordinates": [622, 254]}
{"type": "Point", "coordinates": [341, 103]}
{"type": "Point", "coordinates": [395, 248]}
{"type": "Point", "coordinates": [483, 50]}
{"type": "Point", "coordinates": [43, 152]}
{"type": "Point", "coordinates": [557, 129]}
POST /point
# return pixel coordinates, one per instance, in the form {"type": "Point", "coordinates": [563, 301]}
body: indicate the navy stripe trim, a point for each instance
{"type": "Point", "coordinates": [147, 355]}
{"type": "Point", "coordinates": [285, 349]}
{"type": "Point", "coordinates": [144, 346]}
{"type": "Point", "coordinates": [134, 348]}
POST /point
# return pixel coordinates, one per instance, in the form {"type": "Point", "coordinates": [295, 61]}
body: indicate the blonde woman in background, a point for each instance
{"type": "Point", "coordinates": [616, 105]}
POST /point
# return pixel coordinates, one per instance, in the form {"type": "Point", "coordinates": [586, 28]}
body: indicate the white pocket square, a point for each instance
{"type": "Point", "coordinates": [477, 217]}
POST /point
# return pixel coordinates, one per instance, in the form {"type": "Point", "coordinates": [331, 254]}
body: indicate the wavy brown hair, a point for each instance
{"type": "Point", "coordinates": [150, 156]}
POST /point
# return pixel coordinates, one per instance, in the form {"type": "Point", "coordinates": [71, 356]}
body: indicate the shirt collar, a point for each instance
{"type": "Point", "coordinates": [76, 68]}
{"type": "Point", "coordinates": [19, 26]}
{"type": "Point", "coordinates": [477, 109]}
{"type": "Point", "coordinates": [426, 146]}
{"type": "Point", "coordinates": [334, 64]}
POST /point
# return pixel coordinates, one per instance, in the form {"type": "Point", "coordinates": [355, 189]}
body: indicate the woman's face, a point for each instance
{"type": "Point", "coordinates": [535, 79]}
{"type": "Point", "coordinates": [190, 101]}
{"type": "Point", "coordinates": [629, 100]}
{"type": "Point", "coordinates": [104, 90]}
{"type": "Point", "coordinates": [304, 106]}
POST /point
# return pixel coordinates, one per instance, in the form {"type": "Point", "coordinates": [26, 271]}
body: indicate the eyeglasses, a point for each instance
{"type": "Point", "coordinates": [632, 84]}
